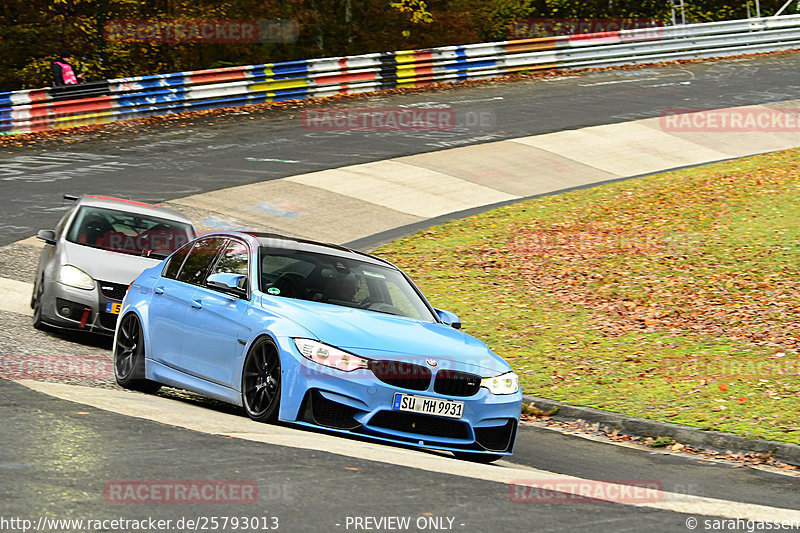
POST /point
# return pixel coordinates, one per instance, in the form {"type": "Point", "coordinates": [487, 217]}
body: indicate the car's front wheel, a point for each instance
{"type": "Point", "coordinates": [36, 304]}
{"type": "Point", "coordinates": [261, 381]}
{"type": "Point", "coordinates": [129, 356]}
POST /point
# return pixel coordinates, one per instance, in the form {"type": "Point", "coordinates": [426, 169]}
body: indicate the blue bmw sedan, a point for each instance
{"type": "Point", "coordinates": [318, 335]}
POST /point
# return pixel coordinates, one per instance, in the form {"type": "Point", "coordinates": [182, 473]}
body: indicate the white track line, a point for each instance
{"type": "Point", "coordinates": [15, 296]}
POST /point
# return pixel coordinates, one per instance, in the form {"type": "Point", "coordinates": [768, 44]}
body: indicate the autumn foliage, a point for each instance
{"type": "Point", "coordinates": [675, 296]}
{"type": "Point", "coordinates": [33, 32]}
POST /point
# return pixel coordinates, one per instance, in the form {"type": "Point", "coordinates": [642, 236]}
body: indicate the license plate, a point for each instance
{"type": "Point", "coordinates": [113, 307]}
{"type": "Point", "coordinates": [427, 406]}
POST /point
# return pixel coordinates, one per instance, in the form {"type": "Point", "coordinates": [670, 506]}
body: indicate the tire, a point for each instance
{"type": "Point", "coordinates": [261, 381]}
{"type": "Point", "coordinates": [478, 457]}
{"type": "Point", "coordinates": [36, 304]}
{"type": "Point", "coordinates": [129, 357]}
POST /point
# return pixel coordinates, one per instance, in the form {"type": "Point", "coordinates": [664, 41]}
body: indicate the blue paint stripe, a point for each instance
{"type": "Point", "coordinates": [281, 95]}
{"type": "Point", "coordinates": [290, 67]}
{"type": "Point", "coordinates": [257, 73]}
{"type": "Point", "coordinates": [6, 122]}
{"type": "Point", "coordinates": [150, 97]}
{"type": "Point", "coordinates": [466, 65]}
{"type": "Point", "coordinates": [149, 82]}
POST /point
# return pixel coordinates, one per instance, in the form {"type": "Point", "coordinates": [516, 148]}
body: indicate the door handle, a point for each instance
{"type": "Point", "coordinates": [197, 304]}
{"type": "Point", "coordinates": [158, 290]}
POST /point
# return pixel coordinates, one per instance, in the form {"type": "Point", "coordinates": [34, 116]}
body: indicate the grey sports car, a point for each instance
{"type": "Point", "coordinates": [97, 249]}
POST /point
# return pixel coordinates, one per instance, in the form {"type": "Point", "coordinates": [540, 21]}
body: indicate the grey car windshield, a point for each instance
{"type": "Point", "coordinates": [339, 281]}
{"type": "Point", "coordinates": [129, 233]}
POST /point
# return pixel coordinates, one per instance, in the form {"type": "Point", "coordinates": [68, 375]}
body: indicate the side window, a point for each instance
{"type": "Point", "coordinates": [200, 257]}
{"type": "Point", "coordinates": [175, 262]}
{"type": "Point", "coordinates": [234, 260]}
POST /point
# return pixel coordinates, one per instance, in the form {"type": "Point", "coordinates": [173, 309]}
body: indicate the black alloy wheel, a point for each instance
{"type": "Point", "coordinates": [129, 356]}
{"type": "Point", "coordinates": [261, 381]}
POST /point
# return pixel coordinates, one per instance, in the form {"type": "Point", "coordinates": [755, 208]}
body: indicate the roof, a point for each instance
{"type": "Point", "coordinates": [132, 206]}
{"type": "Point", "coordinates": [276, 240]}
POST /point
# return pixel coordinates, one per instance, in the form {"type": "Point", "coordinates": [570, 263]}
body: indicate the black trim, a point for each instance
{"type": "Point", "coordinates": [401, 374]}
{"type": "Point", "coordinates": [419, 424]}
{"type": "Point", "coordinates": [320, 411]}
{"type": "Point", "coordinates": [497, 438]}
{"type": "Point", "coordinates": [79, 91]}
{"type": "Point", "coordinates": [455, 383]}
{"type": "Point", "coordinates": [248, 289]}
{"type": "Point", "coordinates": [388, 70]}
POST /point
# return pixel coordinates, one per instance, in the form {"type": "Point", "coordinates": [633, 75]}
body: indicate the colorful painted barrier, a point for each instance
{"type": "Point", "coordinates": [118, 99]}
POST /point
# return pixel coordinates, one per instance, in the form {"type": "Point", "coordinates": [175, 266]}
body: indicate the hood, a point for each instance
{"type": "Point", "coordinates": [386, 337]}
{"type": "Point", "coordinates": [104, 265]}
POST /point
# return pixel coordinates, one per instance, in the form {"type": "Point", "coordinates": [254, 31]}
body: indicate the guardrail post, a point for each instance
{"type": "Point", "coordinates": [784, 7]}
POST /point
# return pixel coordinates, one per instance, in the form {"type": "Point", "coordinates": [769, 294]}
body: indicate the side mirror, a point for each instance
{"type": "Point", "coordinates": [234, 284]}
{"type": "Point", "coordinates": [451, 319]}
{"type": "Point", "coordinates": [46, 235]}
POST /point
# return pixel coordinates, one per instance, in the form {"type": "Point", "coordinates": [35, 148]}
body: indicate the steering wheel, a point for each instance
{"type": "Point", "coordinates": [289, 284]}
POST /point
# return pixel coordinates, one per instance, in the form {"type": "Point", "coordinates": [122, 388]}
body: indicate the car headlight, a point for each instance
{"type": "Point", "coordinates": [507, 383]}
{"type": "Point", "coordinates": [329, 356]}
{"type": "Point", "coordinates": [75, 277]}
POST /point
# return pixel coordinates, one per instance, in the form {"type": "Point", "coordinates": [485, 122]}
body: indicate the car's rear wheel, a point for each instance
{"type": "Point", "coordinates": [129, 356]}
{"type": "Point", "coordinates": [477, 457]}
{"type": "Point", "coordinates": [261, 381]}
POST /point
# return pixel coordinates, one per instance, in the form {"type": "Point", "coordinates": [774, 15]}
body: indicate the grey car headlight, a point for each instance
{"type": "Point", "coordinates": [75, 277]}
{"type": "Point", "coordinates": [507, 383]}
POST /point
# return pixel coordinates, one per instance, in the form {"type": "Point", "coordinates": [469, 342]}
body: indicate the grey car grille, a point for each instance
{"type": "Point", "coordinates": [113, 291]}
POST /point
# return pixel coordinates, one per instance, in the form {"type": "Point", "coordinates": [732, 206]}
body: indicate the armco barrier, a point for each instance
{"type": "Point", "coordinates": [111, 100]}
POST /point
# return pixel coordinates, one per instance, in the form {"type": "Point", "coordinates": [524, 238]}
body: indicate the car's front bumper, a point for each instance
{"type": "Point", "coordinates": [71, 308]}
{"type": "Point", "coordinates": [359, 402]}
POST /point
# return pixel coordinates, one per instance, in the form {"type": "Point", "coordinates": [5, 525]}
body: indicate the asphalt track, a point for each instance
{"type": "Point", "coordinates": [56, 455]}
{"type": "Point", "coordinates": [167, 161]}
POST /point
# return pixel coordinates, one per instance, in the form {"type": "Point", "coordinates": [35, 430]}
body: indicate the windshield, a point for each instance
{"type": "Point", "coordinates": [339, 281]}
{"type": "Point", "coordinates": [129, 233]}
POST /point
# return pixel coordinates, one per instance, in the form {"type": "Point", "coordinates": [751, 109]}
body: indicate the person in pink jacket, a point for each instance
{"type": "Point", "coordinates": [64, 73]}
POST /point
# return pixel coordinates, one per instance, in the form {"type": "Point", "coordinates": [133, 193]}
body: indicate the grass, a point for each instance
{"type": "Point", "coordinates": [672, 297]}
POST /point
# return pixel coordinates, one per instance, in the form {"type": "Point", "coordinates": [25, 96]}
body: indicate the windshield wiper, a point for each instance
{"type": "Point", "coordinates": [385, 312]}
